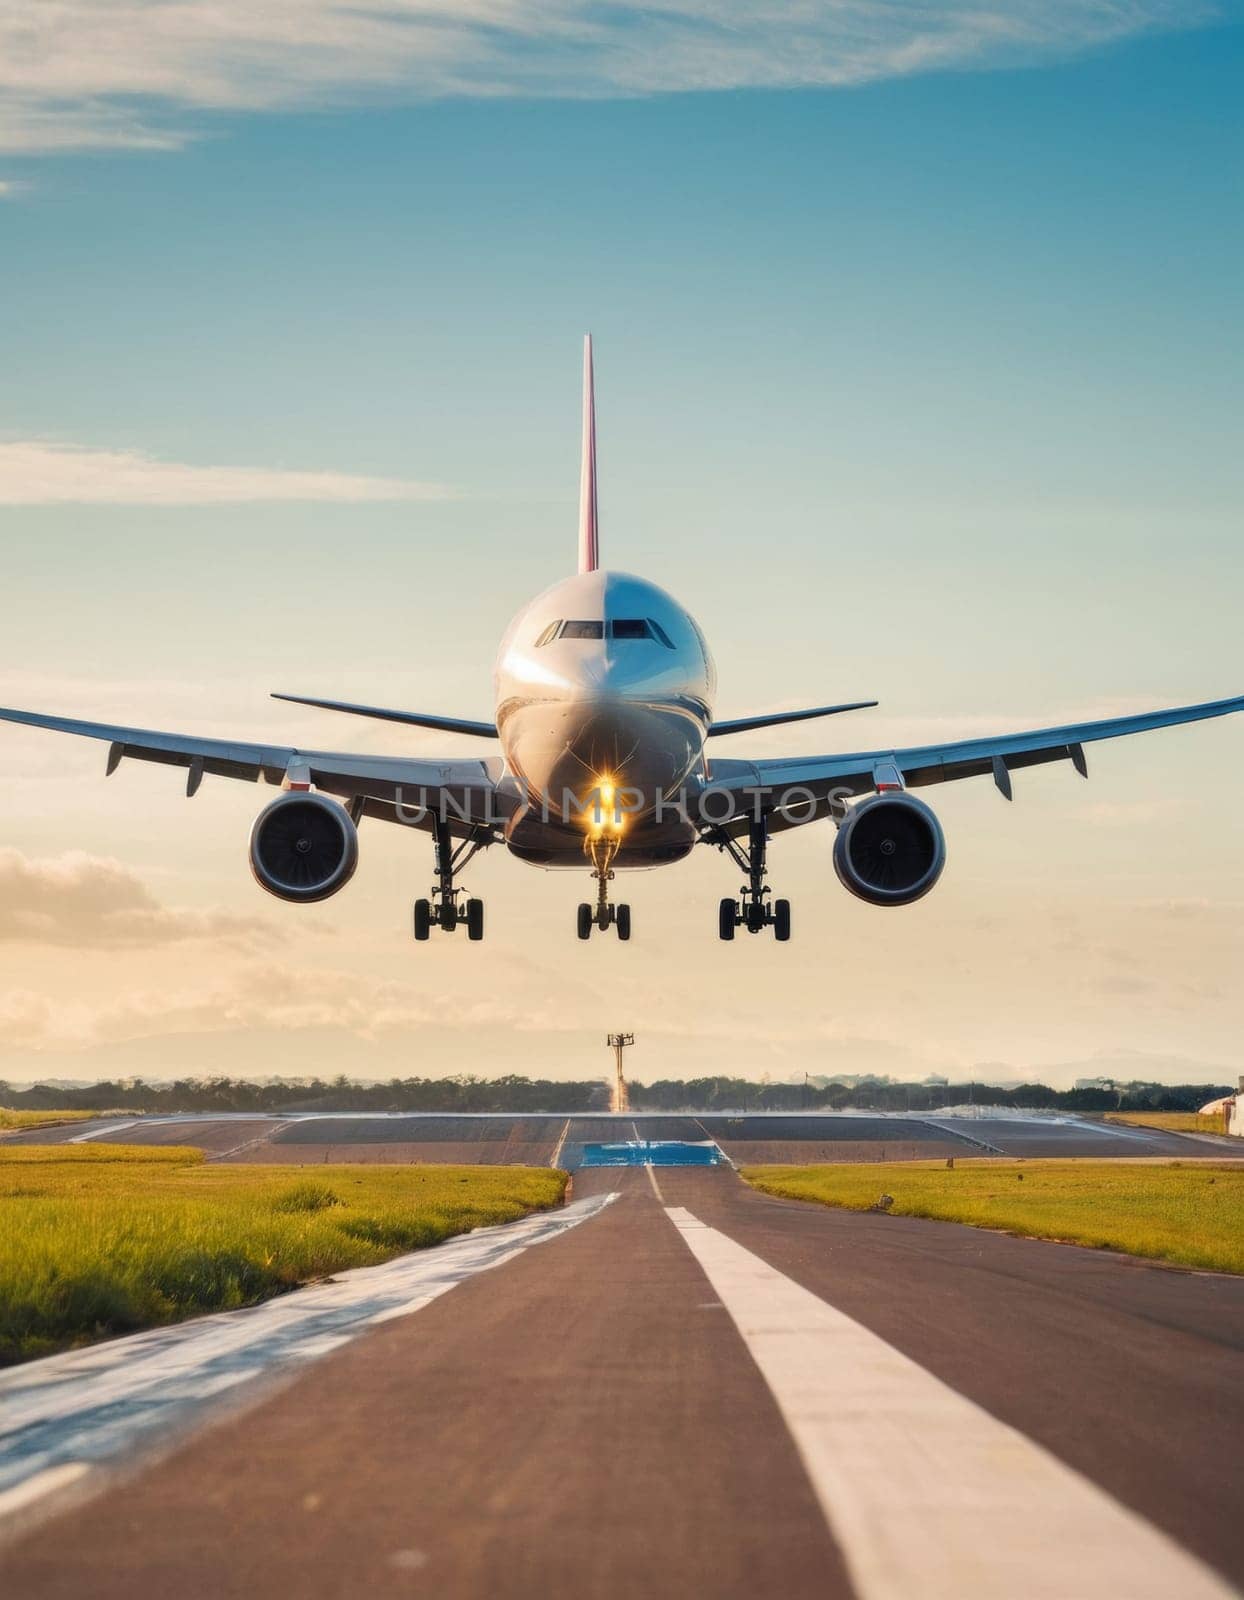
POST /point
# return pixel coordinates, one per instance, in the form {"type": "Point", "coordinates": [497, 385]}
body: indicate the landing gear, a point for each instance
{"type": "Point", "coordinates": [610, 916]}
{"type": "Point", "coordinates": [754, 909]}
{"type": "Point", "coordinates": [443, 909]}
{"type": "Point", "coordinates": [604, 914]}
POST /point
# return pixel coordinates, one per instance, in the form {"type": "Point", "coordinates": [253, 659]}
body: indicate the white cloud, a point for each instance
{"type": "Point", "coordinates": [255, 999]}
{"type": "Point", "coordinates": [90, 902]}
{"type": "Point", "coordinates": [39, 473]}
{"type": "Point", "coordinates": [78, 73]}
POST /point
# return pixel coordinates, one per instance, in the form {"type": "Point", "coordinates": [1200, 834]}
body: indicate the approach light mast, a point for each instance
{"type": "Point", "coordinates": [618, 1042]}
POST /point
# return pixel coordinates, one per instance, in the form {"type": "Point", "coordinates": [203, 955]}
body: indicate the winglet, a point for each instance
{"type": "Point", "coordinates": [589, 546]}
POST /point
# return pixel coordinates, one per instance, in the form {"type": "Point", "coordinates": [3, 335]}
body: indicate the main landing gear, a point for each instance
{"type": "Point", "coordinates": [604, 914]}
{"type": "Point", "coordinates": [754, 910]}
{"type": "Point", "coordinates": [444, 909]}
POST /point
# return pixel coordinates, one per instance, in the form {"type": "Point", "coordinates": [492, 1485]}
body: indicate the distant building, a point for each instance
{"type": "Point", "coordinates": [1096, 1083]}
{"type": "Point", "coordinates": [1235, 1112]}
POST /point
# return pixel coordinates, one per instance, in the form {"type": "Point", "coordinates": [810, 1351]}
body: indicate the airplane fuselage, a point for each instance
{"type": "Point", "coordinates": [603, 680]}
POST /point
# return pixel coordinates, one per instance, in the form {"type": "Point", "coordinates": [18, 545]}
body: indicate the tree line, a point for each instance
{"type": "Point", "coordinates": [514, 1092]}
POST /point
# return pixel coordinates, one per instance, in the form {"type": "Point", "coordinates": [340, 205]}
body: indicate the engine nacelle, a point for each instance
{"type": "Point", "coordinates": [303, 847]}
{"type": "Point", "coordinates": [890, 850]}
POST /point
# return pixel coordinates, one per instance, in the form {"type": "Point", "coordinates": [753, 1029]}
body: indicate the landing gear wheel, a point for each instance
{"type": "Point", "coordinates": [445, 909]}
{"type": "Point", "coordinates": [753, 910]}
{"type": "Point", "coordinates": [622, 921]}
{"type": "Point", "coordinates": [585, 921]}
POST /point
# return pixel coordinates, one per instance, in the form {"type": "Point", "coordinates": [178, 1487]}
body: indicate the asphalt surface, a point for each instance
{"type": "Point", "coordinates": [586, 1420]}
{"type": "Point", "coordinates": [1132, 1373]}
{"type": "Point", "coordinates": [544, 1140]}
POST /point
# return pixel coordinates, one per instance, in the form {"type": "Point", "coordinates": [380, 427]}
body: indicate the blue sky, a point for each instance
{"type": "Point", "coordinates": [924, 384]}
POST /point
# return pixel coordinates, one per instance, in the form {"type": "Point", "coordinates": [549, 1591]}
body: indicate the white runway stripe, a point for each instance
{"type": "Point", "coordinates": [927, 1494]}
{"type": "Point", "coordinates": [42, 1483]}
{"type": "Point", "coordinates": [90, 1405]}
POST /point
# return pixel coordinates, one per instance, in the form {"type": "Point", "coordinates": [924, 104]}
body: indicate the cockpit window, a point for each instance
{"type": "Point", "coordinates": [638, 628]}
{"type": "Point", "coordinates": [618, 628]}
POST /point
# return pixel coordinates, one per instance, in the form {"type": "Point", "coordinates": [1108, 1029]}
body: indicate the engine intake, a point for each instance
{"type": "Point", "coordinates": [890, 850]}
{"type": "Point", "coordinates": [303, 847]}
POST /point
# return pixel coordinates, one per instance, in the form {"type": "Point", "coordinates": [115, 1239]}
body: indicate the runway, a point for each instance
{"type": "Point", "coordinates": [540, 1139]}
{"type": "Point", "coordinates": [703, 1389]}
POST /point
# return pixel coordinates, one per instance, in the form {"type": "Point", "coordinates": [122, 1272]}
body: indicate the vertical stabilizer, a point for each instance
{"type": "Point", "coordinates": [589, 546]}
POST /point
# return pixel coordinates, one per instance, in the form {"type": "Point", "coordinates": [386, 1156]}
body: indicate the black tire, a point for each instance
{"type": "Point", "coordinates": [585, 921]}
{"type": "Point", "coordinates": [781, 920]}
{"type": "Point", "coordinates": [623, 922]}
{"type": "Point", "coordinates": [725, 919]}
{"type": "Point", "coordinates": [423, 918]}
{"type": "Point", "coordinates": [475, 919]}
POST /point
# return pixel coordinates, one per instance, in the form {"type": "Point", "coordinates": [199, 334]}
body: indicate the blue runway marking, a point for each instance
{"type": "Point", "coordinates": [653, 1153]}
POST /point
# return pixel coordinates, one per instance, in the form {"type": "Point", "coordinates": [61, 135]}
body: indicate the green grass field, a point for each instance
{"type": "Point", "coordinates": [15, 1121]}
{"type": "Point", "coordinates": [1171, 1121]}
{"type": "Point", "coordinates": [105, 1239]}
{"type": "Point", "coordinates": [1190, 1214]}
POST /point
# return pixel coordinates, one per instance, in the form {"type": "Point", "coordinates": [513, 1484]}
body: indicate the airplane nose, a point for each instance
{"type": "Point", "coordinates": [611, 672]}
{"type": "Point", "coordinates": [643, 748]}
{"type": "Point", "coordinates": [626, 674]}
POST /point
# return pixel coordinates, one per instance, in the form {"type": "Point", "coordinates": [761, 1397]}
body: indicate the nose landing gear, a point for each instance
{"type": "Point", "coordinates": [602, 848]}
{"type": "Point", "coordinates": [444, 909]}
{"type": "Point", "coordinates": [754, 909]}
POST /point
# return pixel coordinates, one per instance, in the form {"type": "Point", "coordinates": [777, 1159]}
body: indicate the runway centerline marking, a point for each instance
{"type": "Point", "coordinates": [89, 1406]}
{"type": "Point", "coordinates": [925, 1492]}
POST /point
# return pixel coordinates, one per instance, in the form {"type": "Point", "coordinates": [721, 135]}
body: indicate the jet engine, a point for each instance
{"type": "Point", "coordinates": [889, 850]}
{"type": "Point", "coordinates": [303, 847]}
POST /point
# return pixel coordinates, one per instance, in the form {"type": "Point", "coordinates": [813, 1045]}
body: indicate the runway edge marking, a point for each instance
{"type": "Point", "coordinates": [924, 1491]}
{"type": "Point", "coordinates": [91, 1406]}
{"type": "Point", "coordinates": [49, 1481]}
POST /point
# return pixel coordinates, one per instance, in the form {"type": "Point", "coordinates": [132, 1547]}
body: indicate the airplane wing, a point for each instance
{"type": "Point", "coordinates": [415, 719]}
{"type": "Point", "coordinates": [817, 784]}
{"type": "Point", "coordinates": [770, 719]}
{"type": "Point", "coordinates": [380, 786]}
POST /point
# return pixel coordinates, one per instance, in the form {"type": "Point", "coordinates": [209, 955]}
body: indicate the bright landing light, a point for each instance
{"type": "Point", "coordinates": [602, 813]}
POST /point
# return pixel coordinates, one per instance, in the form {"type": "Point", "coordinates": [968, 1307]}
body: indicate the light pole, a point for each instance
{"type": "Point", "coordinates": [618, 1042]}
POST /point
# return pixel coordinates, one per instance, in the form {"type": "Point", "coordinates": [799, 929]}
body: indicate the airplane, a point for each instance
{"type": "Point", "coordinates": [604, 710]}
